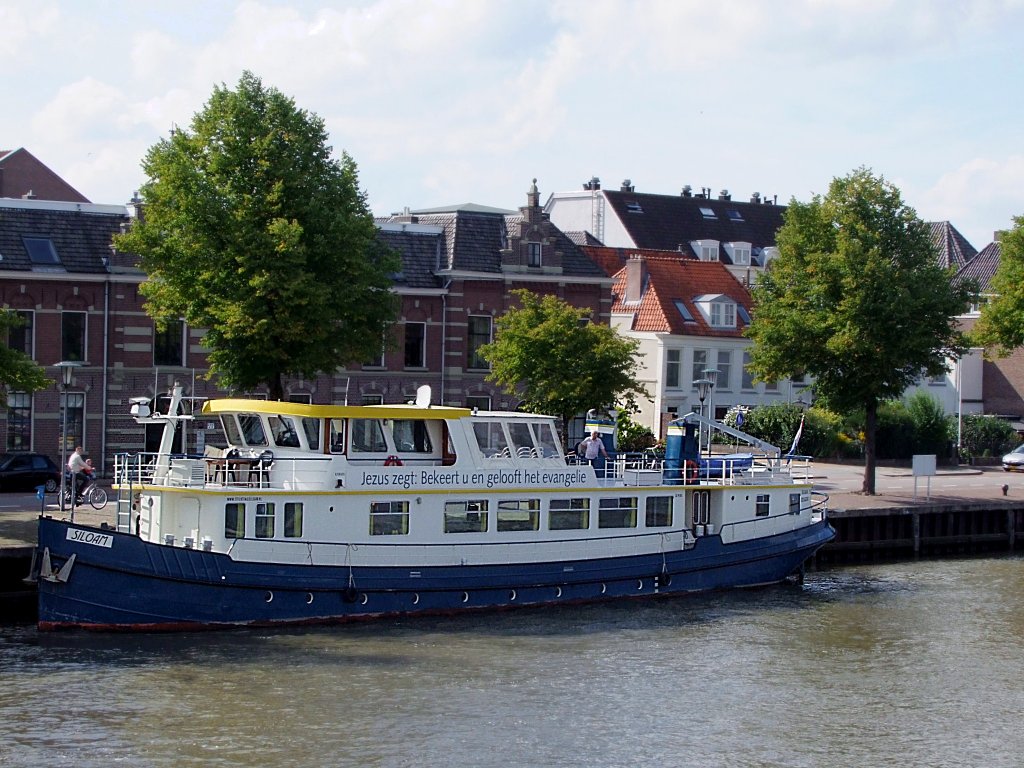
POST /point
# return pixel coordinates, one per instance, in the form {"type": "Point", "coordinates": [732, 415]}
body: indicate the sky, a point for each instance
{"type": "Point", "coordinates": [453, 101]}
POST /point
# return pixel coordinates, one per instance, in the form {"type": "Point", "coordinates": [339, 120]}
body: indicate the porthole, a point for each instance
{"type": "Point", "coordinates": [309, 598]}
{"type": "Point", "coordinates": [364, 599]}
{"type": "Point", "coordinates": [268, 597]}
{"type": "Point", "coordinates": [603, 589]}
{"type": "Point", "coordinates": [640, 584]}
{"type": "Point", "coordinates": [416, 599]}
{"type": "Point", "coordinates": [558, 591]}
{"type": "Point", "coordinates": [512, 595]}
{"type": "Point", "coordinates": [465, 597]}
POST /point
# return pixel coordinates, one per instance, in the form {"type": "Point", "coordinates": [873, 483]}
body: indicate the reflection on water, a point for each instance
{"type": "Point", "coordinates": [908, 664]}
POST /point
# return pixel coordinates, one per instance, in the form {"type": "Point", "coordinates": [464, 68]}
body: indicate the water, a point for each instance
{"type": "Point", "coordinates": [917, 664]}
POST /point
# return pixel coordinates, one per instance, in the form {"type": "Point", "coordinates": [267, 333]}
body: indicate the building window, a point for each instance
{"type": "Point", "coordinates": [700, 362]}
{"type": "Point", "coordinates": [169, 344]}
{"type": "Point", "coordinates": [415, 345]}
{"type": "Point", "coordinates": [706, 249]}
{"type": "Point", "coordinates": [372, 400]}
{"type": "Point", "coordinates": [389, 518]}
{"type": "Point", "coordinates": [659, 512]}
{"type": "Point", "coordinates": [378, 361]}
{"type": "Point", "coordinates": [533, 254]}
{"type": "Point", "coordinates": [293, 519]}
{"type": "Point", "coordinates": [75, 419]}
{"type": "Point", "coordinates": [724, 365]}
{"type": "Point", "coordinates": [518, 514]}
{"type": "Point", "coordinates": [468, 516]}
{"type": "Point", "coordinates": [72, 334]}
{"type": "Point", "coordinates": [723, 314]}
{"type": "Point", "coordinates": [19, 421]}
{"type": "Point", "coordinates": [20, 337]}
{"type": "Point", "coordinates": [748, 376]}
{"type": "Point", "coordinates": [478, 402]}
{"type": "Point", "coordinates": [479, 334]}
{"type": "Point", "coordinates": [673, 368]}
{"type": "Point", "coordinates": [741, 255]}
{"type": "Point", "coordinates": [234, 521]}
{"type": "Point", "coordinates": [569, 514]}
{"type": "Point", "coordinates": [265, 520]}
{"type": "Point", "coordinates": [619, 512]}
{"type": "Point", "coordinates": [761, 507]}
{"type": "Point", "coordinates": [42, 254]}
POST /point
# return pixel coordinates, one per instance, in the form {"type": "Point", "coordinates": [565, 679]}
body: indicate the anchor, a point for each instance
{"type": "Point", "coordinates": [46, 572]}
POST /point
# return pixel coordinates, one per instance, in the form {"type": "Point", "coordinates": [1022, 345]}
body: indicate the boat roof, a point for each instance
{"type": "Point", "coordinates": [279, 407]}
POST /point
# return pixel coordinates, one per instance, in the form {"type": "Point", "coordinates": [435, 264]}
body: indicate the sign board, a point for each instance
{"type": "Point", "coordinates": [924, 465]}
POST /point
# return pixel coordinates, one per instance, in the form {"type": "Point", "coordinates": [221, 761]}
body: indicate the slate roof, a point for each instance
{"type": "Point", "coordinates": [420, 252]}
{"type": "Point", "coordinates": [582, 237]}
{"type": "Point", "coordinates": [981, 267]}
{"type": "Point", "coordinates": [666, 222]}
{"type": "Point", "coordinates": [473, 239]}
{"type": "Point", "coordinates": [671, 279]}
{"type": "Point", "coordinates": [81, 238]}
{"type": "Point", "coordinates": [954, 250]}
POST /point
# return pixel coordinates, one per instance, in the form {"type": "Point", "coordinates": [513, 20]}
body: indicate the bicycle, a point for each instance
{"type": "Point", "coordinates": [91, 494]}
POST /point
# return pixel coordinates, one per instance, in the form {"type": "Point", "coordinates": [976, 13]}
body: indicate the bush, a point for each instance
{"type": "Point", "coordinates": [931, 425]}
{"type": "Point", "coordinates": [632, 437]}
{"type": "Point", "coordinates": [985, 436]}
{"type": "Point", "coordinates": [777, 424]}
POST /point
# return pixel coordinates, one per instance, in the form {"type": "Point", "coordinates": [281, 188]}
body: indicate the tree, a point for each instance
{"type": "Point", "coordinates": [546, 352]}
{"type": "Point", "coordinates": [18, 372]}
{"type": "Point", "coordinates": [1001, 325]}
{"type": "Point", "coordinates": [858, 300]}
{"type": "Point", "coordinates": [251, 230]}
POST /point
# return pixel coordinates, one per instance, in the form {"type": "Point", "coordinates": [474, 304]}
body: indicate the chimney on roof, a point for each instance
{"type": "Point", "coordinates": [30, 195]}
{"type": "Point", "coordinates": [756, 197]}
{"type": "Point", "coordinates": [627, 186]}
{"type": "Point", "coordinates": [687, 191]}
{"type": "Point", "coordinates": [593, 185]}
{"type": "Point", "coordinates": [636, 276]}
{"type": "Point", "coordinates": [724, 195]}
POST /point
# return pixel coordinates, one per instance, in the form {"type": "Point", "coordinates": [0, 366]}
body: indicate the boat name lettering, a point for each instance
{"type": "Point", "coordinates": [244, 498]}
{"type": "Point", "coordinates": [90, 537]}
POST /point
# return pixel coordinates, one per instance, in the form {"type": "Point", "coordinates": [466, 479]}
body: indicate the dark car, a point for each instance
{"type": "Point", "coordinates": [25, 471]}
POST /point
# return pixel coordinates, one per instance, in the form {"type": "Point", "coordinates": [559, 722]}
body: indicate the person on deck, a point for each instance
{"type": "Point", "coordinates": [594, 452]}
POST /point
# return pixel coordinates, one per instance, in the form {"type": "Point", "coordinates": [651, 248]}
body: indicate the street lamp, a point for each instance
{"type": "Point", "coordinates": [67, 371]}
{"type": "Point", "coordinates": [703, 389]}
{"type": "Point", "coordinates": [711, 374]}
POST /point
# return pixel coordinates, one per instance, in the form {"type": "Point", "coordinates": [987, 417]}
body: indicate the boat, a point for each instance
{"type": "Point", "coordinates": [331, 513]}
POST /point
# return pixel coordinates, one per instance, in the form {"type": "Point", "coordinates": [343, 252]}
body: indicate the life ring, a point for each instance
{"type": "Point", "coordinates": [691, 470]}
{"type": "Point", "coordinates": [392, 461]}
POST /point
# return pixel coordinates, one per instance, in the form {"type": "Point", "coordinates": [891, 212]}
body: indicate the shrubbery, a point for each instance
{"type": "Point", "coordinates": [982, 436]}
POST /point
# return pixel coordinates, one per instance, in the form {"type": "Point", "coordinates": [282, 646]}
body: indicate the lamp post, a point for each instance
{"type": "Point", "coordinates": [703, 389]}
{"type": "Point", "coordinates": [67, 371]}
{"type": "Point", "coordinates": [711, 374]}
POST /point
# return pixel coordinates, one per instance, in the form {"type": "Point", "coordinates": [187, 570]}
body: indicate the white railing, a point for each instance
{"type": "Point", "coordinates": [178, 471]}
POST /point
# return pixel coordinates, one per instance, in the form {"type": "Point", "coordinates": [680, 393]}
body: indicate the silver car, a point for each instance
{"type": "Point", "coordinates": [1014, 460]}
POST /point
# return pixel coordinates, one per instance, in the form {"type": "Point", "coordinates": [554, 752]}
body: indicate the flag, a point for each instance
{"type": "Point", "coordinates": [796, 437]}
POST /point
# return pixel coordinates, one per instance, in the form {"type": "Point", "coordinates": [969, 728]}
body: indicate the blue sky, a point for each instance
{"type": "Point", "coordinates": [451, 101]}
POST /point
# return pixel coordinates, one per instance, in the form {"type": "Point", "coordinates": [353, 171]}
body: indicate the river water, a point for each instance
{"type": "Point", "coordinates": [912, 664]}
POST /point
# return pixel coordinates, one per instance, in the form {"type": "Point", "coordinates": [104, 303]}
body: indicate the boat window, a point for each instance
{"type": "Point", "coordinates": [762, 508]}
{"type": "Point", "coordinates": [522, 440]}
{"type": "Point", "coordinates": [411, 435]}
{"type": "Point", "coordinates": [312, 429]}
{"type": "Point", "coordinates": [619, 512]}
{"type": "Point", "coordinates": [252, 429]}
{"type": "Point", "coordinates": [337, 435]}
{"type": "Point", "coordinates": [547, 441]}
{"type": "Point", "coordinates": [794, 503]}
{"type": "Point", "coordinates": [367, 436]}
{"type": "Point", "coordinates": [230, 427]}
{"type": "Point", "coordinates": [465, 516]}
{"type": "Point", "coordinates": [569, 514]}
{"type": "Point", "coordinates": [265, 520]}
{"type": "Point", "coordinates": [491, 438]}
{"type": "Point", "coordinates": [293, 519]}
{"type": "Point", "coordinates": [283, 430]}
{"type": "Point", "coordinates": [519, 515]}
{"type": "Point", "coordinates": [389, 518]}
{"type": "Point", "coordinates": [234, 521]}
{"type": "Point", "coordinates": [659, 512]}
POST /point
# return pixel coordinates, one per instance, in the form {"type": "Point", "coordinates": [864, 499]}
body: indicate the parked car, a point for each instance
{"type": "Point", "coordinates": [25, 471]}
{"type": "Point", "coordinates": [1014, 460]}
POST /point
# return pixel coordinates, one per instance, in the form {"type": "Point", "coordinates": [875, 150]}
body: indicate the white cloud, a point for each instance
{"type": "Point", "coordinates": [979, 197]}
{"type": "Point", "coordinates": [22, 25]}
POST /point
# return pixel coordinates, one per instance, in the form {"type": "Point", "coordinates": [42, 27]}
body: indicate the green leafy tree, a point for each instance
{"type": "Point", "coordinates": [251, 230]}
{"type": "Point", "coordinates": [559, 364]}
{"type": "Point", "coordinates": [18, 372]}
{"type": "Point", "coordinates": [1001, 326]}
{"type": "Point", "coordinates": [858, 300]}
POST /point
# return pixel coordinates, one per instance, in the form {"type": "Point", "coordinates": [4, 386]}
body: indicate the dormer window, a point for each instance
{"type": "Point", "coordinates": [707, 250]}
{"type": "Point", "coordinates": [718, 309]}
{"type": "Point", "coordinates": [533, 255]}
{"type": "Point", "coordinates": [740, 253]}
